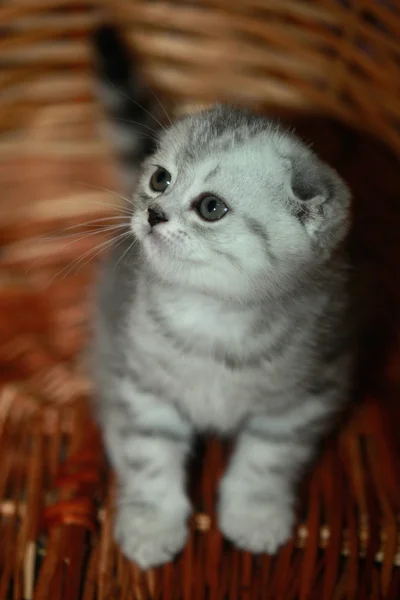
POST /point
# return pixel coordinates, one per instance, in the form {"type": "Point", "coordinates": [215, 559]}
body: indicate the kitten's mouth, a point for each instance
{"type": "Point", "coordinates": [156, 239]}
{"type": "Point", "coordinates": [158, 243]}
{"type": "Point", "coordinates": [161, 247]}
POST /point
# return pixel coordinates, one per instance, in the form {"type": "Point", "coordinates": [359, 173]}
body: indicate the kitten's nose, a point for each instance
{"type": "Point", "coordinates": [155, 216]}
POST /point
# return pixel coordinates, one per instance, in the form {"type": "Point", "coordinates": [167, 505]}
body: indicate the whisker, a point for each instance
{"type": "Point", "coordinates": [148, 136]}
{"type": "Point", "coordinates": [137, 103]}
{"type": "Point", "coordinates": [60, 233]}
{"type": "Point", "coordinates": [103, 189]}
{"type": "Point", "coordinates": [77, 238]}
{"type": "Point", "coordinates": [118, 208]}
{"type": "Point", "coordinates": [100, 247]}
{"type": "Point", "coordinates": [136, 123]}
{"type": "Point", "coordinates": [159, 102]}
{"type": "Point", "coordinates": [84, 224]}
{"type": "Point", "coordinates": [124, 254]}
{"type": "Point", "coordinates": [122, 238]}
{"type": "Point", "coordinates": [82, 234]}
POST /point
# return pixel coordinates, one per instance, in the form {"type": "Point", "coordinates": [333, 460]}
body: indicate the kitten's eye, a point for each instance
{"type": "Point", "coordinates": [211, 208]}
{"type": "Point", "coordinates": [160, 180]}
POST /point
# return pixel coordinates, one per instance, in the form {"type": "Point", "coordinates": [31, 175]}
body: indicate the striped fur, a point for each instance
{"type": "Point", "coordinates": [238, 326]}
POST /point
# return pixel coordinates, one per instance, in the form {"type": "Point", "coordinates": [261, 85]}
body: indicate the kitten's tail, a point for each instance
{"type": "Point", "coordinates": [131, 108]}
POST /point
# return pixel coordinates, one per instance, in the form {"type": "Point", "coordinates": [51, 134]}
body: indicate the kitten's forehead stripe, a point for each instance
{"type": "Point", "coordinates": [212, 173]}
{"type": "Point", "coordinates": [258, 230]}
{"type": "Point", "coordinates": [221, 129]}
{"type": "Point", "coordinates": [229, 256]}
{"type": "Point", "coordinates": [198, 228]}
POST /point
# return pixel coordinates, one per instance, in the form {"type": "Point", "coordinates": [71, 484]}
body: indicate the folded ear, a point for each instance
{"type": "Point", "coordinates": [319, 199]}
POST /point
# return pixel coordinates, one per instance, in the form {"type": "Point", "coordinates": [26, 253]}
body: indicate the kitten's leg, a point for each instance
{"type": "Point", "coordinates": [258, 492]}
{"type": "Point", "coordinates": [148, 442]}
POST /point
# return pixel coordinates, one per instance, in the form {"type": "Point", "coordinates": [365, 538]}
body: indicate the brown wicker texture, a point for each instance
{"type": "Point", "coordinates": [332, 68]}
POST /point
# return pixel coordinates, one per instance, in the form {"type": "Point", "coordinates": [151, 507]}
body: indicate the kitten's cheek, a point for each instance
{"type": "Point", "coordinates": [140, 226]}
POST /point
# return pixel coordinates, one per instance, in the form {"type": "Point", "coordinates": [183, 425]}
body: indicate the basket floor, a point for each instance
{"type": "Point", "coordinates": [56, 497]}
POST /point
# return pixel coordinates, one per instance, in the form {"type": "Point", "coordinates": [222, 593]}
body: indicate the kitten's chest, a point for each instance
{"type": "Point", "coordinates": [204, 323]}
{"type": "Point", "coordinates": [212, 396]}
{"type": "Point", "coordinates": [184, 348]}
{"type": "Point", "coordinates": [176, 353]}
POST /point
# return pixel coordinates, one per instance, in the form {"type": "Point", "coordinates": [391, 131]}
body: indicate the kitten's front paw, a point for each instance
{"type": "Point", "coordinates": [150, 537]}
{"type": "Point", "coordinates": [257, 527]}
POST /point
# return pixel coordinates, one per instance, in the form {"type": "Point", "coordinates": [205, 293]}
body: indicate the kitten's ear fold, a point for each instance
{"type": "Point", "coordinates": [319, 198]}
{"type": "Point", "coordinates": [310, 180]}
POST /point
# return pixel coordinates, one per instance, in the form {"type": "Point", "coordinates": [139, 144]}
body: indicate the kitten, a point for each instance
{"type": "Point", "coordinates": [224, 310]}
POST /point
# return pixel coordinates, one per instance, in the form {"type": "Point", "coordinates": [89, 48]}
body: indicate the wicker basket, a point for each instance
{"type": "Point", "coordinates": [332, 68]}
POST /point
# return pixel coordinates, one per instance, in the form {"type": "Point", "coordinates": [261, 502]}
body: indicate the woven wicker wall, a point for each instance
{"type": "Point", "coordinates": [332, 68]}
{"type": "Point", "coordinates": [328, 55]}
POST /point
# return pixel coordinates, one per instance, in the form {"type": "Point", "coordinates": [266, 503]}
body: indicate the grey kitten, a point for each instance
{"type": "Point", "coordinates": [225, 310]}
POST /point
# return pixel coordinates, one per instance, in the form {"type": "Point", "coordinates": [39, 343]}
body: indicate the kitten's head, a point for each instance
{"type": "Point", "coordinates": [232, 205]}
